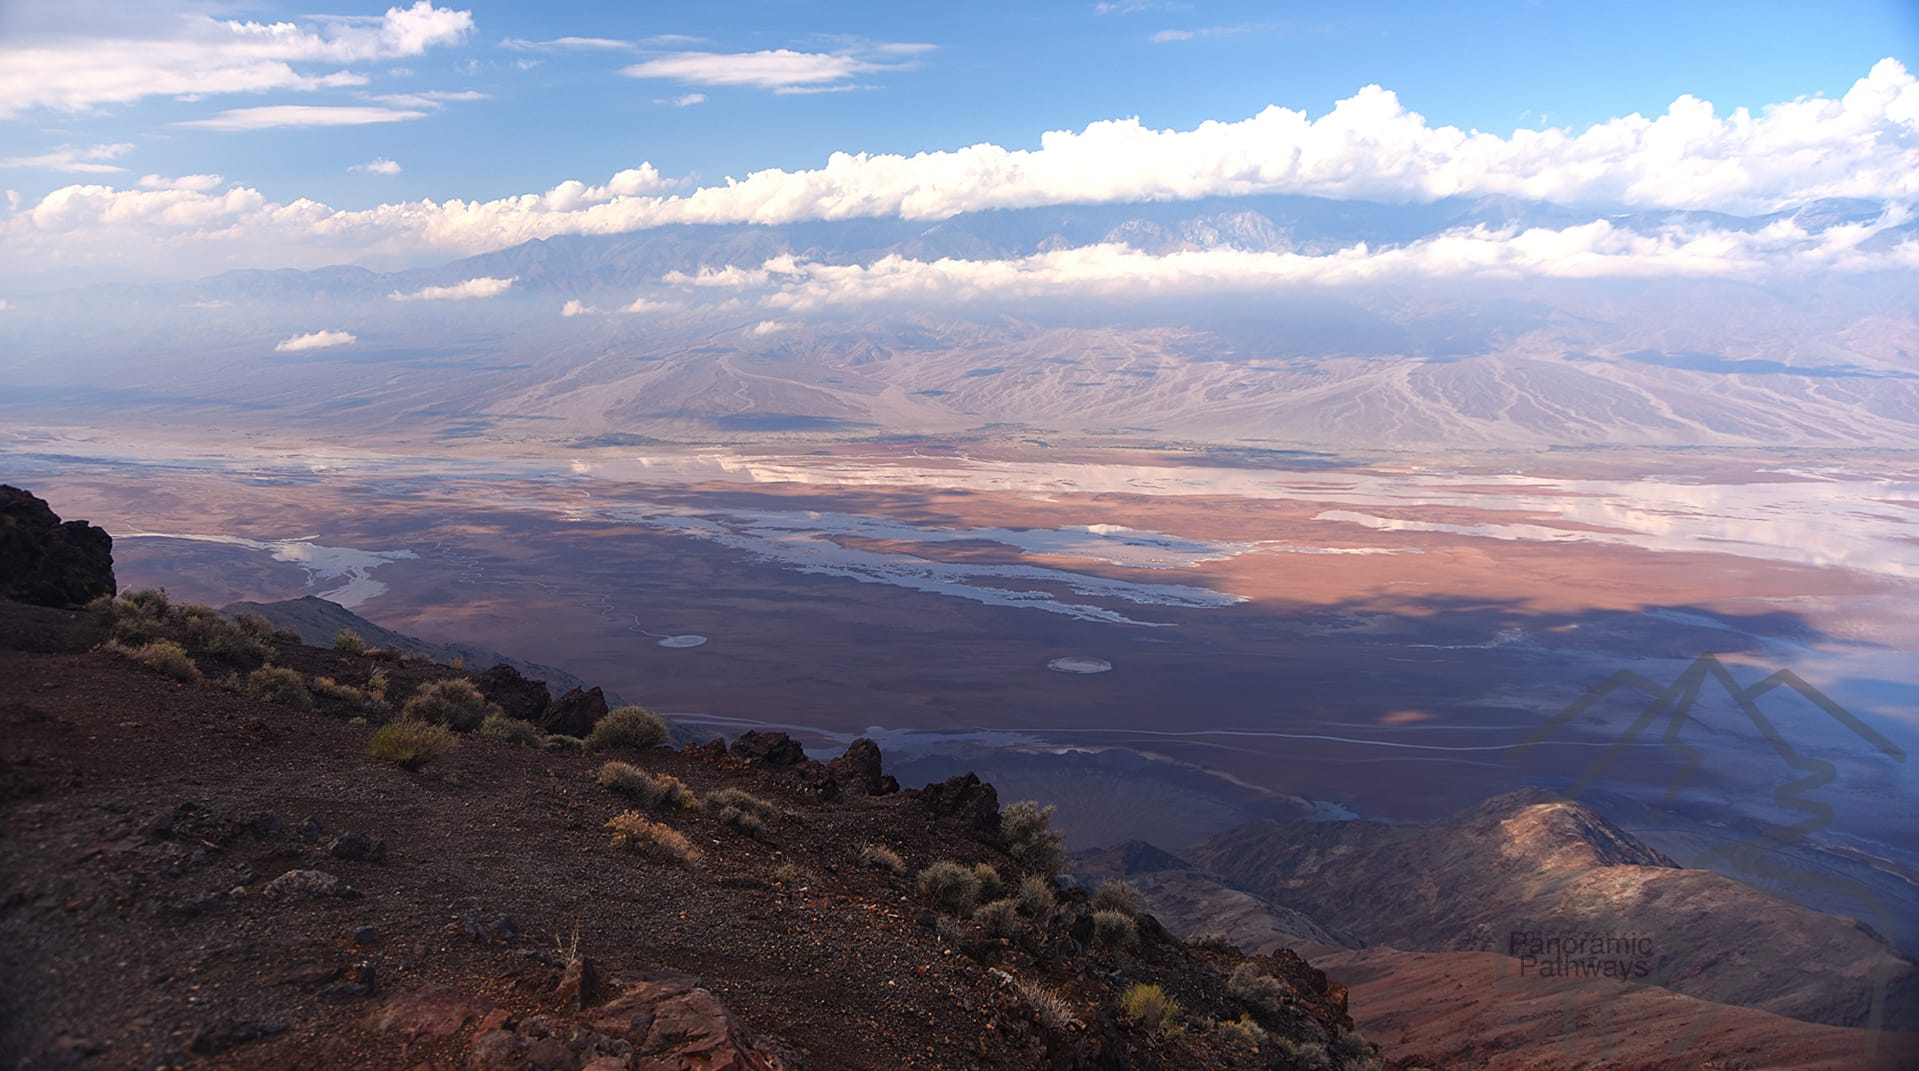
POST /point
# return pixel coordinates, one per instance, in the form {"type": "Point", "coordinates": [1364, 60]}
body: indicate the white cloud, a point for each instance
{"type": "Point", "coordinates": [3, 304]}
{"type": "Point", "coordinates": [640, 304]}
{"type": "Point", "coordinates": [576, 307]}
{"type": "Point", "coordinates": [199, 55]}
{"type": "Point", "coordinates": [1202, 33]}
{"type": "Point", "coordinates": [379, 165]}
{"type": "Point", "coordinates": [432, 99]}
{"type": "Point", "coordinates": [184, 182]}
{"type": "Point", "coordinates": [769, 327]}
{"type": "Point", "coordinates": [568, 44]}
{"type": "Point", "coordinates": [297, 115]}
{"type": "Point", "coordinates": [1864, 144]}
{"type": "Point", "coordinates": [777, 69]}
{"type": "Point", "coordinates": [88, 159]}
{"type": "Point", "coordinates": [1591, 250]}
{"type": "Point", "coordinates": [483, 287]}
{"type": "Point", "coordinates": [687, 100]}
{"type": "Point", "coordinates": [316, 340]}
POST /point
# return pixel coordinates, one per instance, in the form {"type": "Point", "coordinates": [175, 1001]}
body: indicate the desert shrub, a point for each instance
{"type": "Point", "coordinates": [1035, 896]}
{"type": "Point", "coordinates": [377, 682]}
{"type": "Point", "coordinates": [647, 790]}
{"type": "Point", "coordinates": [288, 637]}
{"type": "Point", "coordinates": [561, 743]}
{"type": "Point", "coordinates": [385, 654]}
{"type": "Point", "coordinates": [999, 917]}
{"type": "Point", "coordinates": [213, 636]}
{"type": "Point", "coordinates": [951, 885]}
{"type": "Point", "coordinates": [151, 601]}
{"type": "Point", "coordinates": [162, 656]}
{"type": "Point", "coordinates": [1150, 1007]}
{"type": "Point", "coordinates": [1211, 942]}
{"type": "Point", "coordinates": [255, 626]}
{"type": "Point", "coordinates": [1117, 896]}
{"type": "Point", "coordinates": [1351, 1052]}
{"type": "Point", "coordinates": [348, 642]}
{"type": "Point", "coordinates": [638, 833]}
{"type": "Point", "coordinates": [411, 744]}
{"type": "Point", "coordinates": [1289, 1055]}
{"type": "Point", "coordinates": [990, 885]}
{"type": "Point", "coordinates": [1049, 1009]}
{"type": "Point", "coordinates": [1027, 829]}
{"type": "Point", "coordinates": [511, 730]}
{"type": "Point", "coordinates": [881, 857]}
{"type": "Point", "coordinates": [277, 684]}
{"type": "Point", "coordinates": [1241, 1033]}
{"type": "Point", "coordinates": [795, 876]}
{"type": "Point", "coordinates": [357, 698]}
{"type": "Point", "coordinates": [634, 727]}
{"type": "Point", "coordinates": [1115, 929]}
{"type": "Point", "coordinates": [451, 701]}
{"type": "Point", "coordinates": [101, 606]}
{"type": "Point", "coordinates": [1256, 989]}
{"type": "Point", "coordinates": [742, 801]}
{"type": "Point", "coordinates": [745, 821]}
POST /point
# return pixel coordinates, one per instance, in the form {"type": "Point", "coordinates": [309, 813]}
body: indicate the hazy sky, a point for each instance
{"type": "Point", "coordinates": [206, 134]}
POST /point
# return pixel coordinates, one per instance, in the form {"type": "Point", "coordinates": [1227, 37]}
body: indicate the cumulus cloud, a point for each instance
{"type": "Point", "coordinates": [1863, 144]}
{"type": "Point", "coordinates": [483, 287]}
{"type": "Point", "coordinates": [315, 340]}
{"type": "Point", "coordinates": [184, 182]}
{"type": "Point", "coordinates": [379, 165]}
{"type": "Point", "coordinates": [576, 307]}
{"type": "Point", "coordinates": [285, 115]}
{"type": "Point", "coordinates": [88, 159]}
{"type": "Point", "coordinates": [779, 69]}
{"type": "Point", "coordinates": [199, 55]}
{"type": "Point", "coordinates": [769, 327]}
{"type": "Point", "coordinates": [1591, 250]}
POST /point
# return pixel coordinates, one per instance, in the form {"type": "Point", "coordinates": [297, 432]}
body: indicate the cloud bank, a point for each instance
{"type": "Point", "coordinates": [316, 340]}
{"type": "Point", "coordinates": [1369, 146]}
{"type": "Point", "coordinates": [203, 56]}
{"type": "Point", "coordinates": [483, 287]}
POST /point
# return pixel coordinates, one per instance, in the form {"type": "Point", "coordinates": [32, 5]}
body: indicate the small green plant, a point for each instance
{"type": "Point", "coordinates": [1289, 1055]}
{"type": "Point", "coordinates": [1000, 918]}
{"type": "Point", "coordinates": [1242, 1033]}
{"type": "Point", "coordinates": [1211, 942]}
{"type": "Point", "coordinates": [348, 642]}
{"type": "Point", "coordinates": [277, 684]}
{"type": "Point", "coordinates": [1351, 1053]}
{"type": "Point", "coordinates": [450, 701]}
{"type": "Point", "coordinates": [163, 656]}
{"type": "Point", "coordinates": [411, 744]}
{"type": "Point", "coordinates": [953, 886]}
{"type": "Point", "coordinates": [741, 800]}
{"type": "Point", "coordinates": [212, 636]}
{"type": "Point", "coordinates": [559, 743]}
{"type": "Point", "coordinates": [745, 821]}
{"type": "Point", "coordinates": [633, 727]}
{"type": "Point", "coordinates": [255, 626]}
{"type": "Point", "coordinates": [1259, 991]}
{"type": "Point", "coordinates": [635, 832]}
{"type": "Point", "coordinates": [881, 857]}
{"type": "Point", "coordinates": [377, 682]}
{"type": "Point", "coordinates": [512, 730]}
{"type": "Point", "coordinates": [1115, 929]}
{"type": "Point", "coordinates": [647, 790]}
{"type": "Point", "coordinates": [1116, 896]}
{"type": "Point", "coordinates": [1027, 829]}
{"type": "Point", "coordinates": [1036, 897]}
{"type": "Point", "coordinates": [1150, 1008]}
{"type": "Point", "coordinates": [990, 885]}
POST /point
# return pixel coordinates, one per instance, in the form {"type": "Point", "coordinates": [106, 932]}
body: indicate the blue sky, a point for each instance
{"type": "Point", "coordinates": [483, 101]}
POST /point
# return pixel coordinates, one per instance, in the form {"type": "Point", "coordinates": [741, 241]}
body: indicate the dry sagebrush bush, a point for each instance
{"type": "Point", "coordinates": [1115, 929]}
{"type": "Point", "coordinates": [1000, 918]}
{"type": "Point", "coordinates": [162, 656]}
{"type": "Point", "coordinates": [1036, 897]}
{"type": "Point", "coordinates": [356, 698]}
{"type": "Point", "coordinates": [348, 642]}
{"type": "Point", "coordinates": [635, 832]}
{"type": "Point", "coordinates": [631, 727]}
{"type": "Point", "coordinates": [411, 744]}
{"type": "Point", "coordinates": [647, 790]}
{"type": "Point", "coordinates": [277, 684]}
{"type": "Point", "coordinates": [511, 730]}
{"type": "Point", "coordinates": [1049, 1009]}
{"type": "Point", "coordinates": [1116, 896]}
{"type": "Point", "coordinates": [880, 857]}
{"type": "Point", "coordinates": [451, 701]}
{"type": "Point", "coordinates": [951, 885]}
{"type": "Point", "coordinates": [1150, 1007]}
{"type": "Point", "coordinates": [1027, 829]}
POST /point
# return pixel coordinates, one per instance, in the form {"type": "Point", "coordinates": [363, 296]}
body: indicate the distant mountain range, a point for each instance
{"type": "Point", "coordinates": [1518, 361]}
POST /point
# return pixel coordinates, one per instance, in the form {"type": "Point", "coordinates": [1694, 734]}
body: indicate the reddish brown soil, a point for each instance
{"type": "Point", "coordinates": [141, 819]}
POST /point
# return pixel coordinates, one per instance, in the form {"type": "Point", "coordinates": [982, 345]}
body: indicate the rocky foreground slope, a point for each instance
{"type": "Point", "coordinates": [215, 873]}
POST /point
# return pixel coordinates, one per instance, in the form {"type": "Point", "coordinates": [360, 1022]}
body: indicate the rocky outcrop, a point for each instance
{"type": "Point", "coordinates": [47, 561]}
{"type": "Point", "coordinates": [515, 694]}
{"type": "Point", "coordinates": [966, 798]}
{"type": "Point", "coordinates": [775, 750]}
{"type": "Point", "coordinates": [575, 713]}
{"type": "Point", "coordinates": [858, 770]}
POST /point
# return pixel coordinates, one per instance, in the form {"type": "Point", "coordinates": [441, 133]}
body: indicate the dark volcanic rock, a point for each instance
{"type": "Point", "coordinates": [575, 713]}
{"type": "Point", "coordinates": [966, 798]}
{"type": "Point", "coordinates": [776, 750]}
{"type": "Point", "coordinates": [47, 562]}
{"type": "Point", "coordinates": [858, 771]}
{"type": "Point", "coordinates": [518, 696]}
